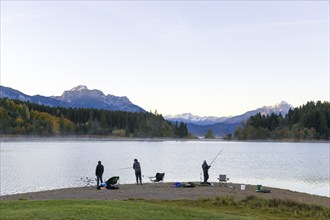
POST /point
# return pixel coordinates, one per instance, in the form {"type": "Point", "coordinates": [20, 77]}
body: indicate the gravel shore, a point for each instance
{"type": "Point", "coordinates": [166, 191]}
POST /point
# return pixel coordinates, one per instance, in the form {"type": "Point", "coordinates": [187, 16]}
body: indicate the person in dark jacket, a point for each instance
{"type": "Point", "coordinates": [99, 172]}
{"type": "Point", "coordinates": [137, 168]}
{"type": "Point", "coordinates": [205, 171]}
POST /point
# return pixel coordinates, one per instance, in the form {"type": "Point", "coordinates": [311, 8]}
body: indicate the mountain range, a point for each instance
{"type": "Point", "coordinates": [82, 97]}
{"type": "Point", "coordinates": [199, 120]}
{"type": "Point", "coordinates": [221, 126]}
{"type": "Point", "coordinates": [282, 107]}
{"type": "Point", "coordinates": [78, 97]}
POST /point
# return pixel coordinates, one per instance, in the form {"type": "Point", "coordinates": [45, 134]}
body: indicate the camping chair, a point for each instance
{"type": "Point", "coordinates": [158, 178]}
{"type": "Point", "coordinates": [223, 179]}
{"type": "Point", "coordinates": [112, 183]}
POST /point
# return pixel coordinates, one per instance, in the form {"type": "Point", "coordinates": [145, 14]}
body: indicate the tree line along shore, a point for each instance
{"type": "Point", "coordinates": [310, 121]}
{"type": "Point", "coordinates": [24, 118]}
{"type": "Point", "coordinates": [307, 122]}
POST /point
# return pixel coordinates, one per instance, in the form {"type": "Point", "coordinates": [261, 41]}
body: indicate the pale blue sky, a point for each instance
{"type": "Point", "coordinates": [215, 58]}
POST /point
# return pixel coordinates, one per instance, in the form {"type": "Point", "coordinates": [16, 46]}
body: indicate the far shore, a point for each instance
{"type": "Point", "coordinates": [18, 138]}
{"type": "Point", "coordinates": [167, 191]}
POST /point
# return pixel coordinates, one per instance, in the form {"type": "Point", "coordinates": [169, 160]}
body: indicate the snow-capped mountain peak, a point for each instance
{"type": "Point", "coordinates": [79, 88]}
{"type": "Point", "coordinates": [190, 118]}
{"type": "Point", "coordinates": [281, 107]}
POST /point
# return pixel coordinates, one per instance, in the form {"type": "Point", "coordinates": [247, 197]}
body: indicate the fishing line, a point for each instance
{"type": "Point", "coordinates": [216, 156]}
{"type": "Point", "coordinates": [124, 168]}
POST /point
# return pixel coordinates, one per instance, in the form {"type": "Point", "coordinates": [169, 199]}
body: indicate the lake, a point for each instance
{"type": "Point", "coordinates": [28, 166]}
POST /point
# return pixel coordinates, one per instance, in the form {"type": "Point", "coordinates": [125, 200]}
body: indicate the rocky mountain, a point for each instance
{"type": "Point", "coordinates": [82, 97]}
{"type": "Point", "coordinates": [78, 97]}
{"type": "Point", "coordinates": [282, 107]}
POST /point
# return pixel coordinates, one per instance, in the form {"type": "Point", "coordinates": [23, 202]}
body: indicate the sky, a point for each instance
{"type": "Point", "coordinates": [209, 58]}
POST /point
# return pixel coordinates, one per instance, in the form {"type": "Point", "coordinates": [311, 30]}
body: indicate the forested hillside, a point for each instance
{"type": "Point", "coordinates": [309, 121]}
{"type": "Point", "coordinates": [24, 118]}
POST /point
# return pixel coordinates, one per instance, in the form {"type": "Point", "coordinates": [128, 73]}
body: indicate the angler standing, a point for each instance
{"type": "Point", "coordinates": [207, 167]}
{"type": "Point", "coordinates": [205, 171]}
{"type": "Point", "coordinates": [137, 168]}
{"type": "Point", "coordinates": [99, 172]}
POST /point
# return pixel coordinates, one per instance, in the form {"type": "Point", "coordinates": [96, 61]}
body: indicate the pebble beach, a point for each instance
{"type": "Point", "coordinates": [168, 191]}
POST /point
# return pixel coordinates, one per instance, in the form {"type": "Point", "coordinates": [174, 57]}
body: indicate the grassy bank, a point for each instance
{"type": "Point", "coordinates": [218, 208]}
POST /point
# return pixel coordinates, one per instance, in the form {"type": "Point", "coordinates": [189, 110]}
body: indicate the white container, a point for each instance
{"type": "Point", "coordinates": [242, 187]}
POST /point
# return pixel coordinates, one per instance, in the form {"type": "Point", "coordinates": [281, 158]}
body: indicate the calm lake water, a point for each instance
{"type": "Point", "coordinates": [28, 166]}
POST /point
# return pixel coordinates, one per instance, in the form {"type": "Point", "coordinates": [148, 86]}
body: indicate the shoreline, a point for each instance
{"type": "Point", "coordinates": [9, 138]}
{"type": "Point", "coordinates": [166, 191]}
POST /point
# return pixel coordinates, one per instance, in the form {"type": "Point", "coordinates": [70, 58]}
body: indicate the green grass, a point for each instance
{"type": "Point", "coordinates": [219, 208]}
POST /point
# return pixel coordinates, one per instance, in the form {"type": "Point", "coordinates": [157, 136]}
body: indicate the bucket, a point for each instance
{"type": "Point", "coordinates": [242, 187]}
{"type": "Point", "coordinates": [259, 187]}
{"type": "Point", "coordinates": [177, 184]}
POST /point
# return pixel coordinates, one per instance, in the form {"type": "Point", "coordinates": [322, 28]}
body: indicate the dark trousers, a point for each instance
{"type": "Point", "coordinates": [206, 176]}
{"type": "Point", "coordinates": [98, 178]}
{"type": "Point", "coordinates": [138, 177]}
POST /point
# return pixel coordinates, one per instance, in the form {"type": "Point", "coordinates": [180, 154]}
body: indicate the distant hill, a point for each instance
{"type": "Point", "coordinates": [218, 129]}
{"type": "Point", "coordinates": [78, 97]}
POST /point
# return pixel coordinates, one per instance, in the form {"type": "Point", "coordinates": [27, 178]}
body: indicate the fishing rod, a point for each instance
{"type": "Point", "coordinates": [216, 156]}
{"type": "Point", "coordinates": [123, 168]}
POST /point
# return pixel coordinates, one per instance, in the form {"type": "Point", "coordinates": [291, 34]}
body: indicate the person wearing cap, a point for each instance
{"type": "Point", "coordinates": [99, 172]}
{"type": "Point", "coordinates": [137, 168]}
{"type": "Point", "coordinates": [205, 171]}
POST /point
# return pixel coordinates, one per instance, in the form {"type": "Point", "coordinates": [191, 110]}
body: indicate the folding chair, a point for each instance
{"type": "Point", "coordinates": [223, 179]}
{"type": "Point", "coordinates": [158, 178]}
{"type": "Point", "coordinates": [112, 183]}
